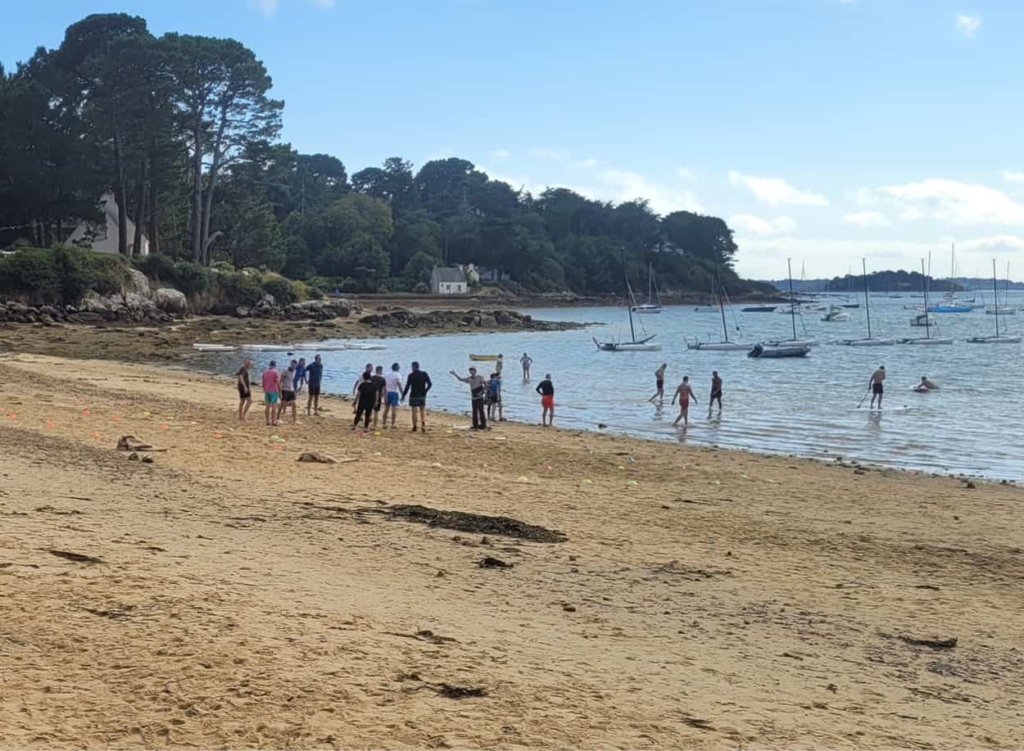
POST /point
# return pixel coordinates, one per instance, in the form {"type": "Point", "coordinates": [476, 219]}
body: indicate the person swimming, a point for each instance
{"type": "Point", "coordinates": [926, 385]}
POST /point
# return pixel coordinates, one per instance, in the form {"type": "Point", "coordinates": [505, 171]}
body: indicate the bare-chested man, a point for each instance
{"type": "Point", "coordinates": [875, 384]}
{"type": "Point", "coordinates": [926, 385]}
{"type": "Point", "coordinates": [659, 383]}
{"type": "Point", "coordinates": [684, 394]}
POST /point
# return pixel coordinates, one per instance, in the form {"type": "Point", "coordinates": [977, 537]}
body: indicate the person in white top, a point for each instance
{"type": "Point", "coordinates": [392, 394]}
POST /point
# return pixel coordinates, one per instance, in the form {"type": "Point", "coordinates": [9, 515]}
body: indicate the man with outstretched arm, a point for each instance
{"type": "Point", "coordinates": [477, 391]}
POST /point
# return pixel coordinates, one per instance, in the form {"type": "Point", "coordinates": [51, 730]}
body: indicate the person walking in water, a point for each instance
{"type": "Point", "coordinates": [477, 391]}
{"type": "Point", "coordinates": [499, 365]}
{"type": "Point", "coordinates": [270, 380]}
{"type": "Point", "coordinates": [416, 386]}
{"type": "Point", "coordinates": [366, 400]}
{"type": "Point", "coordinates": [244, 388]}
{"type": "Point", "coordinates": [684, 394]}
{"type": "Point", "coordinates": [526, 361]}
{"type": "Point", "coordinates": [659, 382]}
{"type": "Point", "coordinates": [877, 389]}
{"type": "Point", "coordinates": [716, 392]}
{"type": "Point", "coordinates": [314, 375]}
{"type": "Point", "coordinates": [546, 389]}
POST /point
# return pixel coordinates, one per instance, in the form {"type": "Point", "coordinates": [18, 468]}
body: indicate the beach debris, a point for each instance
{"type": "Point", "coordinates": [86, 412]}
{"type": "Point", "coordinates": [832, 687]}
{"type": "Point", "coordinates": [521, 478]}
{"type": "Point", "coordinates": [133, 457]}
{"type": "Point", "coordinates": [116, 614]}
{"type": "Point", "coordinates": [690, 573]}
{"type": "Point", "coordinates": [131, 443]}
{"type": "Point", "coordinates": [970, 485]}
{"type": "Point", "coordinates": [949, 643]}
{"type": "Point", "coordinates": [147, 460]}
{"type": "Point", "coordinates": [569, 608]}
{"type": "Point", "coordinates": [491, 562]}
{"type": "Point", "coordinates": [218, 435]}
{"type": "Point", "coordinates": [601, 426]}
{"type": "Point", "coordinates": [317, 457]}
{"type": "Point", "coordinates": [164, 426]}
{"type": "Point", "coordinates": [474, 523]}
{"type": "Point", "coordinates": [449, 691]}
{"type": "Point", "coordinates": [423, 635]}
{"type": "Point", "coordinates": [696, 722]}
{"type": "Point", "coordinates": [586, 482]}
{"type": "Point", "coordinates": [49, 424]}
{"type": "Point", "coordinates": [76, 557]}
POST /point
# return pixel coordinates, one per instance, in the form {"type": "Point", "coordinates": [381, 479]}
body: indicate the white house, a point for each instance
{"type": "Point", "coordinates": [102, 237]}
{"type": "Point", "coordinates": [448, 281]}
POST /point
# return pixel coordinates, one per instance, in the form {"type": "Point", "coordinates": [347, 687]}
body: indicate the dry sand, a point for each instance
{"type": "Point", "coordinates": [705, 599]}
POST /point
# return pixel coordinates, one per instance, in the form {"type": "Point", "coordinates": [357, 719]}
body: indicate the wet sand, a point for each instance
{"type": "Point", "coordinates": [701, 598]}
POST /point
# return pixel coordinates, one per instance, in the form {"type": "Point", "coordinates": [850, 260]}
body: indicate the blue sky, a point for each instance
{"type": "Point", "coordinates": [824, 130]}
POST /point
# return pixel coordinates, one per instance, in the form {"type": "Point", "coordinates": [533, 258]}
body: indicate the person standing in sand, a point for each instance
{"type": "Point", "coordinates": [392, 394]}
{"type": "Point", "coordinates": [526, 361]}
{"type": "Point", "coordinates": [659, 382]}
{"type": "Point", "coordinates": [477, 391]}
{"type": "Point", "coordinates": [684, 394]}
{"type": "Point", "coordinates": [876, 387]}
{"type": "Point", "coordinates": [716, 392]}
{"type": "Point", "coordinates": [381, 383]}
{"type": "Point", "coordinates": [244, 388]}
{"type": "Point", "coordinates": [287, 388]}
{"type": "Point", "coordinates": [270, 380]}
{"type": "Point", "coordinates": [416, 386]}
{"type": "Point", "coordinates": [368, 370]}
{"type": "Point", "coordinates": [499, 365]}
{"type": "Point", "coordinates": [546, 389]}
{"type": "Point", "coordinates": [314, 375]}
{"type": "Point", "coordinates": [366, 400]}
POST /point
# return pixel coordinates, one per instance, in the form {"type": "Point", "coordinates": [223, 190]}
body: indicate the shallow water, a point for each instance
{"type": "Point", "coordinates": [798, 406]}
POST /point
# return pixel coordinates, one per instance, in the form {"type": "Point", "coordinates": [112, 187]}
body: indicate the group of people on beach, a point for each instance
{"type": "Point", "coordinates": [684, 394]}
{"type": "Point", "coordinates": [281, 389]}
{"type": "Point", "coordinates": [376, 391]}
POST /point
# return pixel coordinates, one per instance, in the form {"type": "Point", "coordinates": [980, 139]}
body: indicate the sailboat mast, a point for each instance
{"type": "Point", "coordinates": [792, 300]}
{"type": "Point", "coordinates": [650, 282]}
{"type": "Point", "coordinates": [995, 291]}
{"type": "Point", "coordinates": [924, 288]}
{"type": "Point", "coordinates": [721, 305]}
{"type": "Point", "coordinates": [867, 303]}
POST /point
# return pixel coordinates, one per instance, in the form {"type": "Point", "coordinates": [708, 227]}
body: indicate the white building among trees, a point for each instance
{"type": "Point", "coordinates": [102, 237]}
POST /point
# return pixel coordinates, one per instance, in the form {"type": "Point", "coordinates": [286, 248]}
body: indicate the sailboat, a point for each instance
{"type": "Point", "coordinates": [650, 307]}
{"type": "Point", "coordinates": [928, 321]}
{"type": "Point", "coordinates": [997, 339]}
{"type": "Point", "coordinates": [869, 341]}
{"type": "Point", "coordinates": [949, 303]}
{"type": "Point", "coordinates": [788, 348]}
{"type": "Point", "coordinates": [634, 345]}
{"type": "Point", "coordinates": [1003, 310]}
{"type": "Point", "coordinates": [725, 345]}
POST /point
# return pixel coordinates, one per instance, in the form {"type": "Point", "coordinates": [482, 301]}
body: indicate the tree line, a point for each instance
{"type": "Point", "coordinates": [185, 133]}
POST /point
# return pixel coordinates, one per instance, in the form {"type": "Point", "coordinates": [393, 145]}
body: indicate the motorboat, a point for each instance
{"type": "Point", "coordinates": [954, 308]}
{"type": "Point", "coordinates": [767, 350]}
{"type": "Point", "coordinates": [923, 319]}
{"type": "Point", "coordinates": [718, 346]}
{"type": "Point", "coordinates": [1002, 310]}
{"type": "Point", "coordinates": [836, 314]}
{"type": "Point", "coordinates": [484, 358]}
{"type": "Point", "coordinates": [648, 308]}
{"type": "Point", "coordinates": [759, 309]}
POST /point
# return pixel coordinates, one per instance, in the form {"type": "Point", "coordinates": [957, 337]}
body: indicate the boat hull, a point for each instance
{"type": "Point", "coordinates": [720, 346]}
{"type": "Point", "coordinates": [759, 309]}
{"type": "Point", "coordinates": [761, 351]}
{"type": "Point", "coordinates": [994, 340]}
{"type": "Point", "coordinates": [866, 342]}
{"type": "Point", "coordinates": [484, 358]}
{"type": "Point", "coordinates": [949, 309]}
{"type": "Point", "coordinates": [925, 341]}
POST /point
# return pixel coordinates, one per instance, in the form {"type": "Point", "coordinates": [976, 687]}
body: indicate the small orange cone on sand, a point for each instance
{"type": "Point", "coordinates": [49, 424]}
{"type": "Point", "coordinates": [163, 426]}
{"type": "Point", "coordinates": [86, 412]}
{"type": "Point", "coordinates": [218, 435]}
{"type": "Point", "coordinates": [116, 418]}
{"type": "Point", "coordinates": [279, 448]}
{"type": "Point", "coordinates": [95, 435]}
{"type": "Point", "coordinates": [12, 416]}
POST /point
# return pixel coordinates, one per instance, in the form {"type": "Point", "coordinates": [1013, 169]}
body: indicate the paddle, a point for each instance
{"type": "Point", "coordinates": [863, 398]}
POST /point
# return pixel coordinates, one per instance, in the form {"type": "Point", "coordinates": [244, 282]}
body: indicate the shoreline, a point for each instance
{"type": "Point", "coordinates": [225, 594]}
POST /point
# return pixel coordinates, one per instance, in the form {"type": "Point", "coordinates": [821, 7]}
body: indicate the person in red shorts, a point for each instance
{"type": "Point", "coordinates": [546, 389]}
{"type": "Point", "coordinates": [684, 394]}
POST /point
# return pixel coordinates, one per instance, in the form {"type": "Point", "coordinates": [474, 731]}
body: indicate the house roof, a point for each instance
{"type": "Point", "coordinates": [448, 274]}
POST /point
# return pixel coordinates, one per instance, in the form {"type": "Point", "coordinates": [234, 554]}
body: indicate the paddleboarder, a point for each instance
{"type": "Point", "coordinates": [876, 387]}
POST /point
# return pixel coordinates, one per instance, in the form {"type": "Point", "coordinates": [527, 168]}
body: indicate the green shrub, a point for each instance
{"type": "Point", "coordinates": [224, 267]}
{"type": "Point", "coordinates": [193, 279]}
{"type": "Point", "coordinates": [280, 288]}
{"type": "Point", "coordinates": [61, 275]}
{"type": "Point", "coordinates": [240, 289]}
{"type": "Point", "coordinates": [421, 288]}
{"type": "Point", "coordinates": [157, 266]}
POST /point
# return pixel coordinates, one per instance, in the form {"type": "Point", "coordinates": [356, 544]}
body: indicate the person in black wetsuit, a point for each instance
{"type": "Point", "coordinates": [416, 387]}
{"type": "Point", "coordinates": [546, 389]}
{"type": "Point", "coordinates": [366, 400]}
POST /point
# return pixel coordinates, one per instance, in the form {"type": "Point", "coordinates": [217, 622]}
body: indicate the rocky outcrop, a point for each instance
{"type": "Point", "coordinates": [128, 308]}
{"type": "Point", "coordinates": [170, 301]}
{"type": "Point", "coordinates": [137, 283]}
{"type": "Point", "coordinates": [310, 310]}
{"type": "Point", "coordinates": [400, 318]}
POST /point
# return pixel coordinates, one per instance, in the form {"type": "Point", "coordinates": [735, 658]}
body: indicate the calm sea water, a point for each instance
{"type": "Point", "coordinates": [805, 406]}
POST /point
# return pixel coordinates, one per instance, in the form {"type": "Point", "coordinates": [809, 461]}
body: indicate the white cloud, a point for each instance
{"type": "Point", "coordinates": [968, 25]}
{"type": "Point", "coordinates": [955, 202]}
{"type": "Point", "coordinates": [686, 174]}
{"type": "Point", "coordinates": [547, 154]}
{"type": "Point", "coordinates": [500, 154]}
{"type": "Point", "coordinates": [1013, 177]}
{"type": "Point", "coordinates": [589, 163]}
{"type": "Point", "coordinates": [911, 215]}
{"type": "Point", "coordinates": [775, 191]}
{"type": "Point", "coordinates": [755, 225]}
{"type": "Point", "coordinates": [995, 243]}
{"type": "Point", "coordinates": [266, 7]}
{"type": "Point", "coordinates": [624, 185]}
{"type": "Point", "coordinates": [866, 219]}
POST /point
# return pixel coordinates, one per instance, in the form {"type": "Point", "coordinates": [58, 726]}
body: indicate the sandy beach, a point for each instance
{"type": "Point", "coordinates": [656, 596]}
